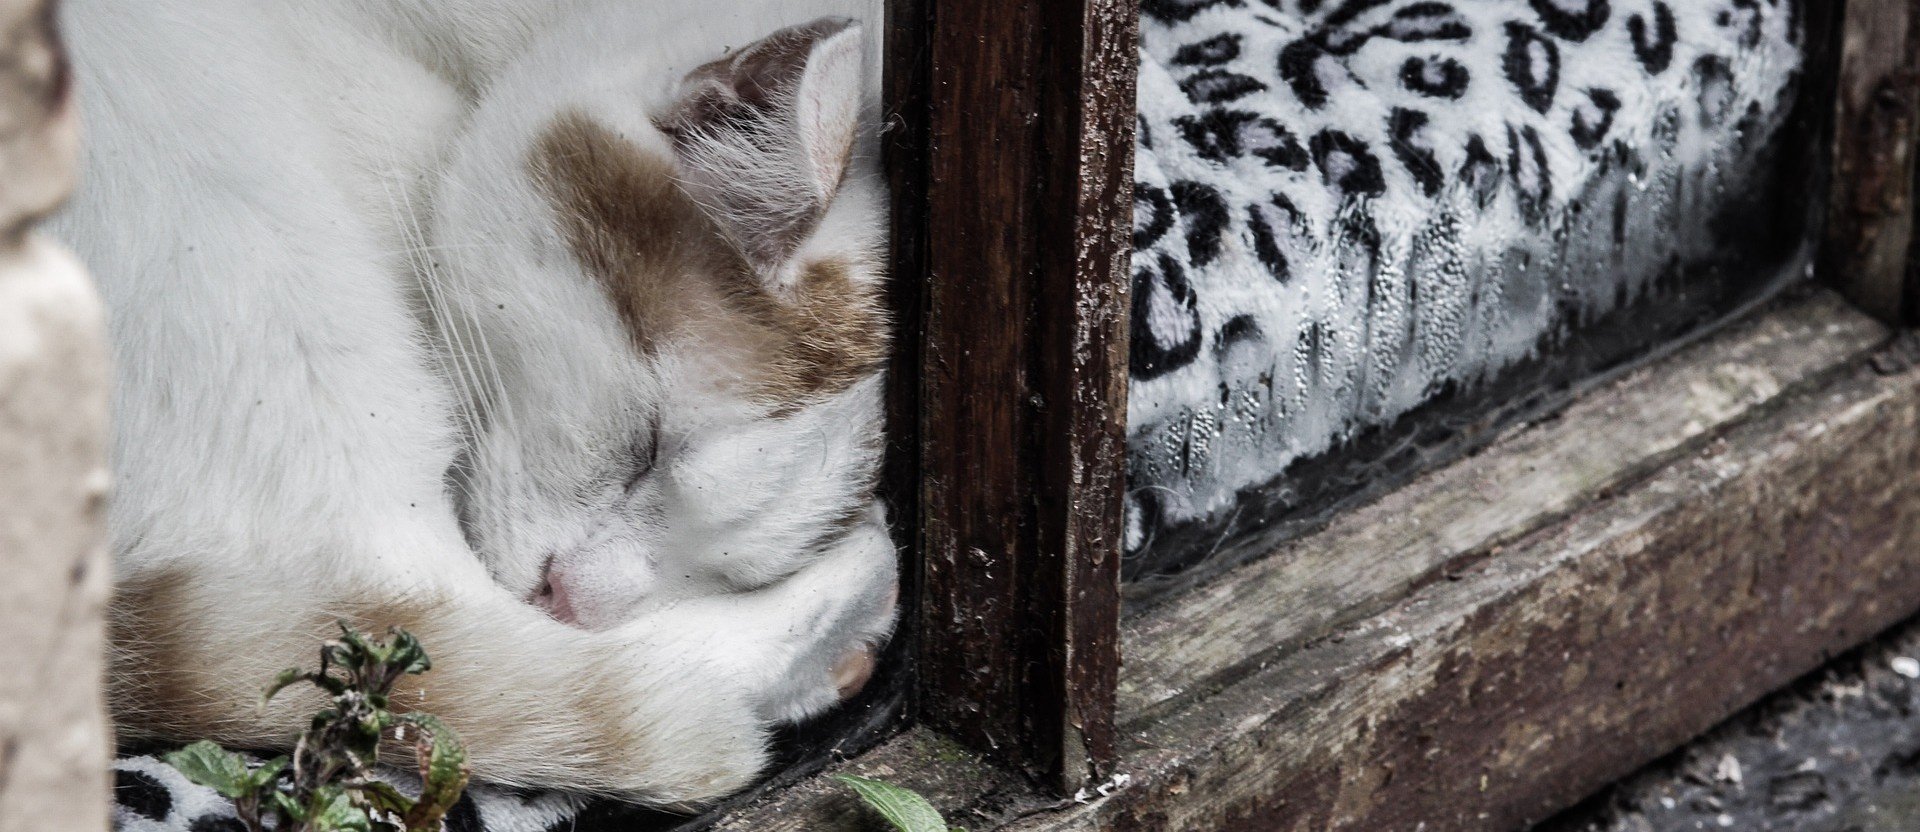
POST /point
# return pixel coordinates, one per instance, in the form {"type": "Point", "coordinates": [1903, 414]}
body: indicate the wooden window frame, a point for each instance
{"type": "Point", "coordinates": [1014, 166]}
{"type": "Point", "coordinates": [1312, 689]}
{"type": "Point", "coordinates": [1872, 254]}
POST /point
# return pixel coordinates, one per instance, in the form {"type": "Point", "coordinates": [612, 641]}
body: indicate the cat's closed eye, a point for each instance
{"type": "Point", "coordinates": [643, 456]}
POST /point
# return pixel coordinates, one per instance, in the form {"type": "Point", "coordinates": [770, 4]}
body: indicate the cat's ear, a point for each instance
{"type": "Point", "coordinates": [765, 135]}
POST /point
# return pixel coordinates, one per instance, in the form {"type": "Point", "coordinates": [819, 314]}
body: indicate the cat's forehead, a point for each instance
{"type": "Point", "coordinates": [675, 279]}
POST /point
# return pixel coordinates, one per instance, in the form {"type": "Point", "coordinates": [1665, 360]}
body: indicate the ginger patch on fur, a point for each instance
{"type": "Point", "coordinates": [672, 275]}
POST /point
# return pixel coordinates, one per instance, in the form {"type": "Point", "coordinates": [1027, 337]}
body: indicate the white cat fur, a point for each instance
{"type": "Point", "coordinates": [268, 185]}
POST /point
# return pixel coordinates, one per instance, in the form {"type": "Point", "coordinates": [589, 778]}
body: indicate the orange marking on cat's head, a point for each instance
{"type": "Point", "coordinates": [671, 273]}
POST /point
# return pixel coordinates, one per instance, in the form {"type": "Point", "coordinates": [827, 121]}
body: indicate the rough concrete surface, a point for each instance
{"type": "Point", "coordinates": [54, 737]}
{"type": "Point", "coordinates": [1837, 752]}
{"type": "Point", "coordinates": [53, 564]}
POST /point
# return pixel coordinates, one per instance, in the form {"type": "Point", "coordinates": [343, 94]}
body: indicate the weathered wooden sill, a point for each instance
{"type": "Point", "coordinates": [1514, 630]}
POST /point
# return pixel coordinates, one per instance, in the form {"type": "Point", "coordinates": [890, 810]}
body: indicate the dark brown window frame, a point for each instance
{"type": "Point", "coordinates": [1872, 254]}
{"type": "Point", "coordinates": [1012, 154]}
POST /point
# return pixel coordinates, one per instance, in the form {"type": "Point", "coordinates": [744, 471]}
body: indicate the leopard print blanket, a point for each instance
{"type": "Point", "coordinates": [1345, 207]}
{"type": "Point", "coordinates": [1341, 207]}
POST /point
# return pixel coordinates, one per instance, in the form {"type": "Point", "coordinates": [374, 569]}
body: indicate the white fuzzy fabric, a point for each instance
{"type": "Point", "coordinates": [1343, 206]}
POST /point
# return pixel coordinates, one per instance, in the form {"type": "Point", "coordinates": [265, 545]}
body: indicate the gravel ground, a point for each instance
{"type": "Point", "coordinates": [1837, 752]}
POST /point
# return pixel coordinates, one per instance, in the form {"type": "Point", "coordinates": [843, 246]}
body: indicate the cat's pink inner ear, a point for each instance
{"type": "Point", "coordinates": [827, 105]}
{"type": "Point", "coordinates": [764, 135]}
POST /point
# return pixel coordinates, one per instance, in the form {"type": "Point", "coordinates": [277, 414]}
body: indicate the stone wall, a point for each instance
{"type": "Point", "coordinates": [54, 736]}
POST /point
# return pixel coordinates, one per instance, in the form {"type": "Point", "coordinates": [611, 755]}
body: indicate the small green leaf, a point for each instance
{"type": "Point", "coordinates": [906, 810]}
{"type": "Point", "coordinates": [384, 797]}
{"type": "Point", "coordinates": [333, 811]}
{"type": "Point", "coordinates": [287, 678]}
{"type": "Point", "coordinates": [350, 652]}
{"type": "Point", "coordinates": [263, 777]}
{"type": "Point", "coordinates": [408, 654]}
{"type": "Point", "coordinates": [290, 807]}
{"type": "Point", "coordinates": [356, 640]}
{"type": "Point", "coordinates": [443, 770]}
{"type": "Point", "coordinates": [214, 767]}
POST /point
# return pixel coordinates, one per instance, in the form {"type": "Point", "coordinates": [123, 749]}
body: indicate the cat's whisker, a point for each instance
{"type": "Point", "coordinates": [467, 379]}
{"type": "Point", "coordinates": [495, 386]}
{"type": "Point", "coordinates": [456, 247]}
{"type": "Point", "coordinates": [456, 360]}
{"type": "Point", "coordinates": [481, 391]}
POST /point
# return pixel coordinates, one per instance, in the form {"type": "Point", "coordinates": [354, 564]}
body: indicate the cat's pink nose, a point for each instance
{"type": "Point", "coordinates": [853, 671]}
{"type": "Point", "coordinates": [552, 597]}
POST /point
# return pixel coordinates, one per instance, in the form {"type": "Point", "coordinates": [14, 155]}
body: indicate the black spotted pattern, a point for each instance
{"type": "Point", "coordinates": [1215, 50]}
{"type": "Point", "coordinates": [1413, 153]}
{"type": "Point", "coordinates": [1175, 11]}
{"type": "Point", "coordinates": [1237, 330]}
{"type": "Point", "coordinates": [1435, 77]}
{"type": "Point", "coordinates": [1574, 20]}
{"type": "Point", "coordinates": [1166, 324]}
{"type": "Point", "coordinates": [1532, 63]}
{"type": "Point", "coordinates": [1591, 124]}
{"type": "Point", "coordinates": [140, 793]}
{"type": "Point", "coordinates": [1425, 21]}
{"type": "Point", "coordinates": [1481, 172]}
{"type": "Point", "coordinates": [1152, 215]}
{"type": "Point", "coordinates": [1653, 41]}
{"type": "Point", "coordinates": [1230, 127]}
{"type": "Point", "coordinates": [1527, 164]}
{"type": "Point", "coordinates": [1277, 227]}
{"type": "Point", "coordinates": [1215, 86]}
{"type": "Point", "coordinates": [1348, 164]}
{"type": "Point", "coordinates": [1300, 64]}
{"type": "Point", "coordinates": [1226, 135]}
{"type": "Point", "coordinates": [1205, 214]}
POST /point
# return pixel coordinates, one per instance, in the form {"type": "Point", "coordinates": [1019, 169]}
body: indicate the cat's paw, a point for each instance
{"type": "Point", "coordinates": [702, 741]}
{"type": "Point", "coordinates": [801, 644]}
{"type": "Point", "coordinates": [850, 597]}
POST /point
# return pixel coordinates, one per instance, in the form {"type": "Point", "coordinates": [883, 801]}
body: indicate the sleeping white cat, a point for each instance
{"type": "Point", "coordinates": [547, 330]}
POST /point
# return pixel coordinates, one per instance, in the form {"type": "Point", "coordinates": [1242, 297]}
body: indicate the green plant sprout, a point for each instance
{"type": "Point", "coordinates": [904, 808]}
{"type": "Point", "coordinates": [328, 785]}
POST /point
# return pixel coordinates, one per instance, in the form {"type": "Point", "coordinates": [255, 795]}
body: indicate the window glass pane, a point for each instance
{"type": "Point", "coordinates": [1368, 232]}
